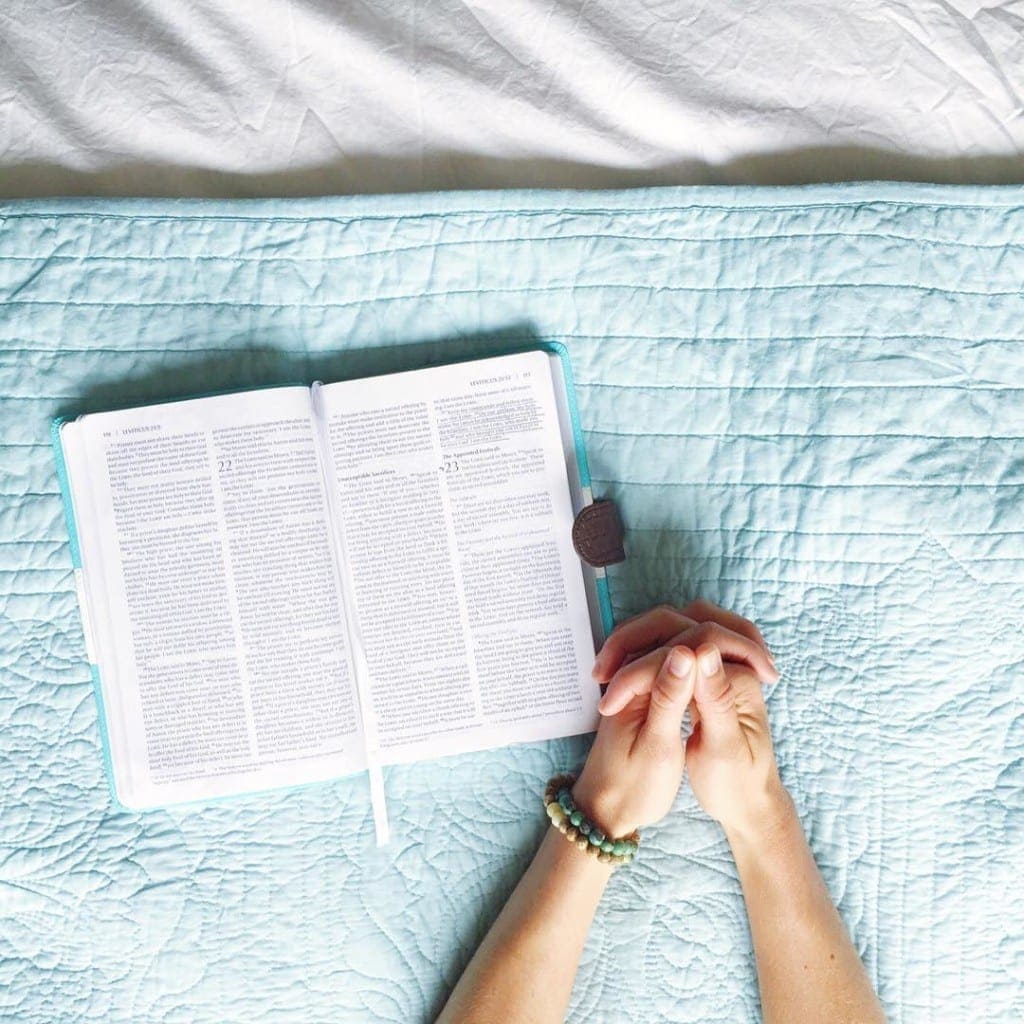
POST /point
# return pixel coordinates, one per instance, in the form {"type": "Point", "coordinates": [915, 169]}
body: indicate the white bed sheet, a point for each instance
{"type": "Point", "coordinates": [314, 96]}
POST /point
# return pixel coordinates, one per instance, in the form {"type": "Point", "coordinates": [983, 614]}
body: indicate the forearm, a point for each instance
{"type": "Point", "coordinates": [525, 967]}
{"type": "Point", "coordinates": [808, 970]}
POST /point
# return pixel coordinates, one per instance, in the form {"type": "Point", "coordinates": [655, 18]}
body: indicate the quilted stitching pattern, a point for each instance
{"type": "Point", "coordinates": [807, 403]}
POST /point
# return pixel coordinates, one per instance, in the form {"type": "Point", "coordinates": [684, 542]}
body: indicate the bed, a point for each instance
{"type": "Point", "coordinates": [221, 99]}
{"type": "Point", "coordinates": [806, 402]}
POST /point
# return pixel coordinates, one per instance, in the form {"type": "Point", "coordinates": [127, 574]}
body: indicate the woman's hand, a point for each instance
{"type": "Point", "coordinates": [636, 764]}
{"type": "Point", "coordinates": [729, 755]}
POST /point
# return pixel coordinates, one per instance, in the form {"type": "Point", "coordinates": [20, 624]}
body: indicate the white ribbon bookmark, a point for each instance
{"type": "Point", "coordinates": [364, 699]}
{"type": "Point", "coordinates": [379, 804]}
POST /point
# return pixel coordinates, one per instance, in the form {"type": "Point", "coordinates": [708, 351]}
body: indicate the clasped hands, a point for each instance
{"type": "Point", "coordinates": [658, 665]}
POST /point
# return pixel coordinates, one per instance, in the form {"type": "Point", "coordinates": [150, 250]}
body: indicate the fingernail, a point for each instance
{"type": "Point", "coordinates": [679, 663]}
{"type": "Point", "coordinates": [711, 662]}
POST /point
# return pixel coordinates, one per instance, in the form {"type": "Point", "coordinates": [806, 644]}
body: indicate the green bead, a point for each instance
{"type": "Point", "coordinates": [585, 827]}
{"type": "Point", "coordinates": [576, 818]}
{"type": "Point", "coordinates": [619, 847]}
{"type": "Point", "coordinates": [600, 835]}
{"type": "Point", "coordinates": [607, 846]}
{"type": "Point", "coordinates": [595, 838]}
{"type": "Point", "coordinates": [565, 799]}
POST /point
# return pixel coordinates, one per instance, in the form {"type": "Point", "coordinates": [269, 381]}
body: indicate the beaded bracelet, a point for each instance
{"type": "Point", "coordinates": [583, 833]}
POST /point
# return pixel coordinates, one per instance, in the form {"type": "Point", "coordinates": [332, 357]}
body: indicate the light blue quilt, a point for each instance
{"type": "Point", "coordinates": [808, 403]}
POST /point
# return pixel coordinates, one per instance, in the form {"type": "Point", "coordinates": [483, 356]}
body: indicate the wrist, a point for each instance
{"type": "Point", "coordinates": [602, 807]}
{"type": "Point", "coordinates": [770, 814]}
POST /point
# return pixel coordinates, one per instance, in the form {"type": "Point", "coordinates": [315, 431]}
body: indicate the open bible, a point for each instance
{"type": "Point", "coordinates": [293, 584]}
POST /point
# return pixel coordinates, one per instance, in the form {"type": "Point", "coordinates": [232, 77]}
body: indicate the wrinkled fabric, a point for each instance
{"type": "Point", "coordinates": [807, 403]}
{"type": "Point", "coordinates": [217, 98]}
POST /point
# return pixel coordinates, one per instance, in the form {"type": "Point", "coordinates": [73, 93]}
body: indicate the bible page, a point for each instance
{"type": "Point", "coordinates": [214, 591]}
{"type": "Point", "coordinates": [456, 515]}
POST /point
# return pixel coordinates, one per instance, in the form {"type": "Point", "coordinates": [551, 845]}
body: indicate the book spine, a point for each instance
{"type": "Point", "coordinates": [604, 597]}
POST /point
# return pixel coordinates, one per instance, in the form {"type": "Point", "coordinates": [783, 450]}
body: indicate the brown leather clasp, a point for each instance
{"type": "Point", "coordinates": [597, 534]}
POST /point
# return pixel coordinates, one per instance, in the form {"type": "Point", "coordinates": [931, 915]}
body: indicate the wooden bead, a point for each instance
{"type": "Point", "coordinates": [555, 812]}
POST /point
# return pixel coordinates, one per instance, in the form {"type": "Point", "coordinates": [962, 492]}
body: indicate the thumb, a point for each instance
{"type": "Point", "coordinates": [671, 695]}
{"type": "Point", "coordinates": [713, 694]}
